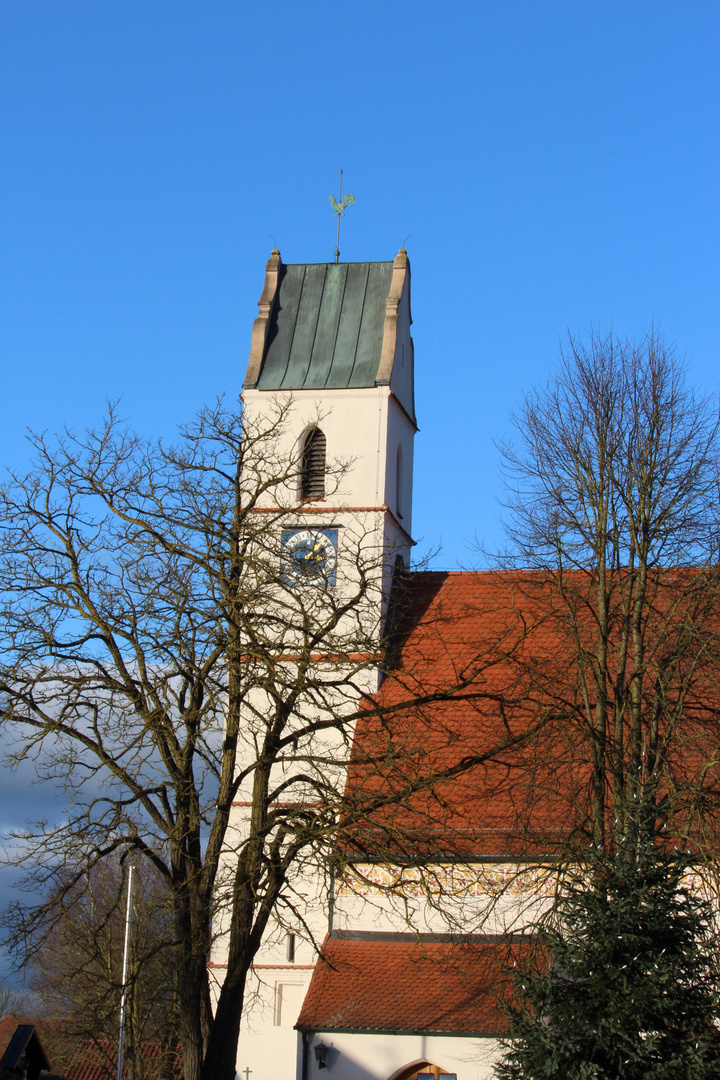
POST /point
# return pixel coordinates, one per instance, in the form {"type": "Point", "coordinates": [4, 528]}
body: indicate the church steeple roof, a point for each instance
{"type": "Point", "coordinates": [327, 325]}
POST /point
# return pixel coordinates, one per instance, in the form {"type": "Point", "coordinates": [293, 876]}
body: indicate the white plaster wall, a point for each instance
{"type": "Point", "coordinates": [308, 889]}
{"type": "Point", "coordinates": [276, 1054]}
{"type": "Point", "coordinates": [381, 1057]}
{"type": "Point", "coordinates": [332, 744]}
{"type": "Point", "coordinates": [362, 428]}
{"type": "Point", "coordinates": [469, 899]}
{"type": "Point", "coordinates": [400, 433]}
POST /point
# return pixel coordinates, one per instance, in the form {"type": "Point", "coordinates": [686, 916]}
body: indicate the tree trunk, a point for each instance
{"type": "Point", "coordinates": [221, 1057]}
{"type": "Point", "coordinates": [192, 989]}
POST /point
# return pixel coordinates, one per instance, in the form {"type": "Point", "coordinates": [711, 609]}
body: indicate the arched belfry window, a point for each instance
{"type": "Point", "coordinates": [312, 466]}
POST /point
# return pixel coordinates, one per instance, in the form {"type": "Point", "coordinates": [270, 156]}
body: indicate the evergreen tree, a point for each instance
{"type": "Point", "coordinates": [623, 984]}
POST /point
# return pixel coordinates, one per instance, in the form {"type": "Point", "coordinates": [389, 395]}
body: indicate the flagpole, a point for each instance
{"type": "Point", "coordinates": [126, 953]}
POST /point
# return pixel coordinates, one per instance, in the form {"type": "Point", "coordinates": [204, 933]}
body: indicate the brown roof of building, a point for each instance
{"type": "Point", "coordinates": [482, 674]}
{"type": "Point", "coordinates": [8, 1024]}
{"type": "Point", "coordinates": [98, 1061]}
{"type": "Point", "coordinates": [469, 657]}
{"type": "Point", "coordinates": [49, 1032]}
{"type": "Point", "coordinates": [380, 984]}
{"type": "Point", "coordinates": [76, 1058]}
{"type": "Point", "coordinates": [25, 1044]}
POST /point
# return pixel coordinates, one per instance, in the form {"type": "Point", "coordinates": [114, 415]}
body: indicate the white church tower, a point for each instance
{"type": "Point", "coordinates": [335, 338]}
{"type": "Point", "coordinates": [331, 348]}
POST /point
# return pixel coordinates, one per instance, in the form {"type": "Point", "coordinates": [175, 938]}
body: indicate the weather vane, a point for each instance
{"type": "Point", "coordinates": [339, 208]}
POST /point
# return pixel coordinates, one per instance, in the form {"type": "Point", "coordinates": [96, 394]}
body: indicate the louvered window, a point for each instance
{"type": "Point", "coordinates": [312, 472]}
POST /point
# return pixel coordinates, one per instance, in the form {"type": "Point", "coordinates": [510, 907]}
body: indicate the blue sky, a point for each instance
{"type": "Point", "coordinates": [551, 166]}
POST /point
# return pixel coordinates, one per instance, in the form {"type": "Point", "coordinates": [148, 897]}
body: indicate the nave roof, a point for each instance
{"type": "Point", "coordinates": [484, 671]}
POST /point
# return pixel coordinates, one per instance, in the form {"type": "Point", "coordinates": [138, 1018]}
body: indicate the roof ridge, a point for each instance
{"type": "Point", "coordinates": [344, 262]}
{"type": "Point", "coordinates": [407, 937]}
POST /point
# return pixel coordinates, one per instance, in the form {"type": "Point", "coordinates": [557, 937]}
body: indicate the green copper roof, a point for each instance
{"type": "Point", "coordinates": [326, 326]}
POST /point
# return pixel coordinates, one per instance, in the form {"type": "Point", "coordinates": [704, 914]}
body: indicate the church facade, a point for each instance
{"type": "Point", "coordinates": [395, 968]}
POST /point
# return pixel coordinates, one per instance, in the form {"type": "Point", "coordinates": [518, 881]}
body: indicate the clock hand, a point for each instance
{"type": "Point", "coordinates": [315, 554]}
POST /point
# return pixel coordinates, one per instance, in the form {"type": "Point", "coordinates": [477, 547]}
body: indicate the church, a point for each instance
{"type": "Point", "coordinates": [396, 954]}
{"type": "Point", "coordinates": [412, 951]}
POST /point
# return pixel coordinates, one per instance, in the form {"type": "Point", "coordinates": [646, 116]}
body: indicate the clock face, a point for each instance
{"type": "Point", "coordinates": [309, 556]}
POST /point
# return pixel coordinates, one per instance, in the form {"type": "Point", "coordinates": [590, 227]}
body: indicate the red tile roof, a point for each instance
{"type": "Point", "coordinates": [498, 643]}
{"type": "Point", "coordinates": [49, 1032]}
{"type": "Point", "coordinates": [98, 1061]}
{"type": "Point", "coordinates": [25, 1043]}
{"type": "Point", "coordinates": [76, 1058]}
{"type": "Point", "coordinates": [406, 986]}
{"type": "Point", "coordinates": [8, 1024]}
{"type": "Point", "coordinates": [472, 654]}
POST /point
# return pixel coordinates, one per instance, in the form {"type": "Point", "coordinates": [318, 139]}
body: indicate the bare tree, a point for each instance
{"type": "Point", "coordinates": [158, 657]}
{"type": "Point", "coordinates": [9, 1000]}
{"type": "Point", "coordinates": [613, 490]}
{"type": "Point", "coordinates": [75, 966]}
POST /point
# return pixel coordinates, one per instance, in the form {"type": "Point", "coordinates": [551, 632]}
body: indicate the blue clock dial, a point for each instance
{"type": "Point", "coordinates": [309, 556]}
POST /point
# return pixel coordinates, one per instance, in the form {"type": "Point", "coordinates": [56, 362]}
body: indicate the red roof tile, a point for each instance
{"type": "Point", "coordinates": [98, 1061]}
{"type": "Point", "coordinates": [50, 1033]}
{"type": "Point", "coordinates": [76, 1058]}
{"type": "Point", "coordinates": [502, 640]}
{"type": "Point", "coordinates": [8, 1024]}
{"type": "Point", "coordinates": [390, 985]}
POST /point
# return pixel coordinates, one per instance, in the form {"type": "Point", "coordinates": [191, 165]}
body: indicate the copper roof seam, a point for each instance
{"type": "Point", "coordinates": [317, 321]}
{"type": "Point", "coordinates": [337, 328]}
{"type": "Point", "coordinates": [360, 323]}
{"type": "Point", "coordinates": [292, 336]}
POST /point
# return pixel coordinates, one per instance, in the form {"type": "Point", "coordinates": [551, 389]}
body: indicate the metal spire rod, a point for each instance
{"type": "Point", "coordinates": [126, 953]}
{"type": "Point", "coordinates": [337, 243]}
{"type": "Point", "coordinates": [339, 207]}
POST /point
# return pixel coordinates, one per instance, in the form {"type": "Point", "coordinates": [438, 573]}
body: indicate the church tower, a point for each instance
{"type": "Point", "coordinates": [330, 376]}
{"type": "Point", "coordinates": [334, 339]}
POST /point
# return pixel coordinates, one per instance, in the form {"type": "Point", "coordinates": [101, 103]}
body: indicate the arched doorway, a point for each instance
{"type": "Point", "coordinates": [410, 1072]}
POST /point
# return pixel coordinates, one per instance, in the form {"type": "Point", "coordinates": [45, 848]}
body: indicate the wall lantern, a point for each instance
{"type": "Point", "coordinates": [321, 1054]}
